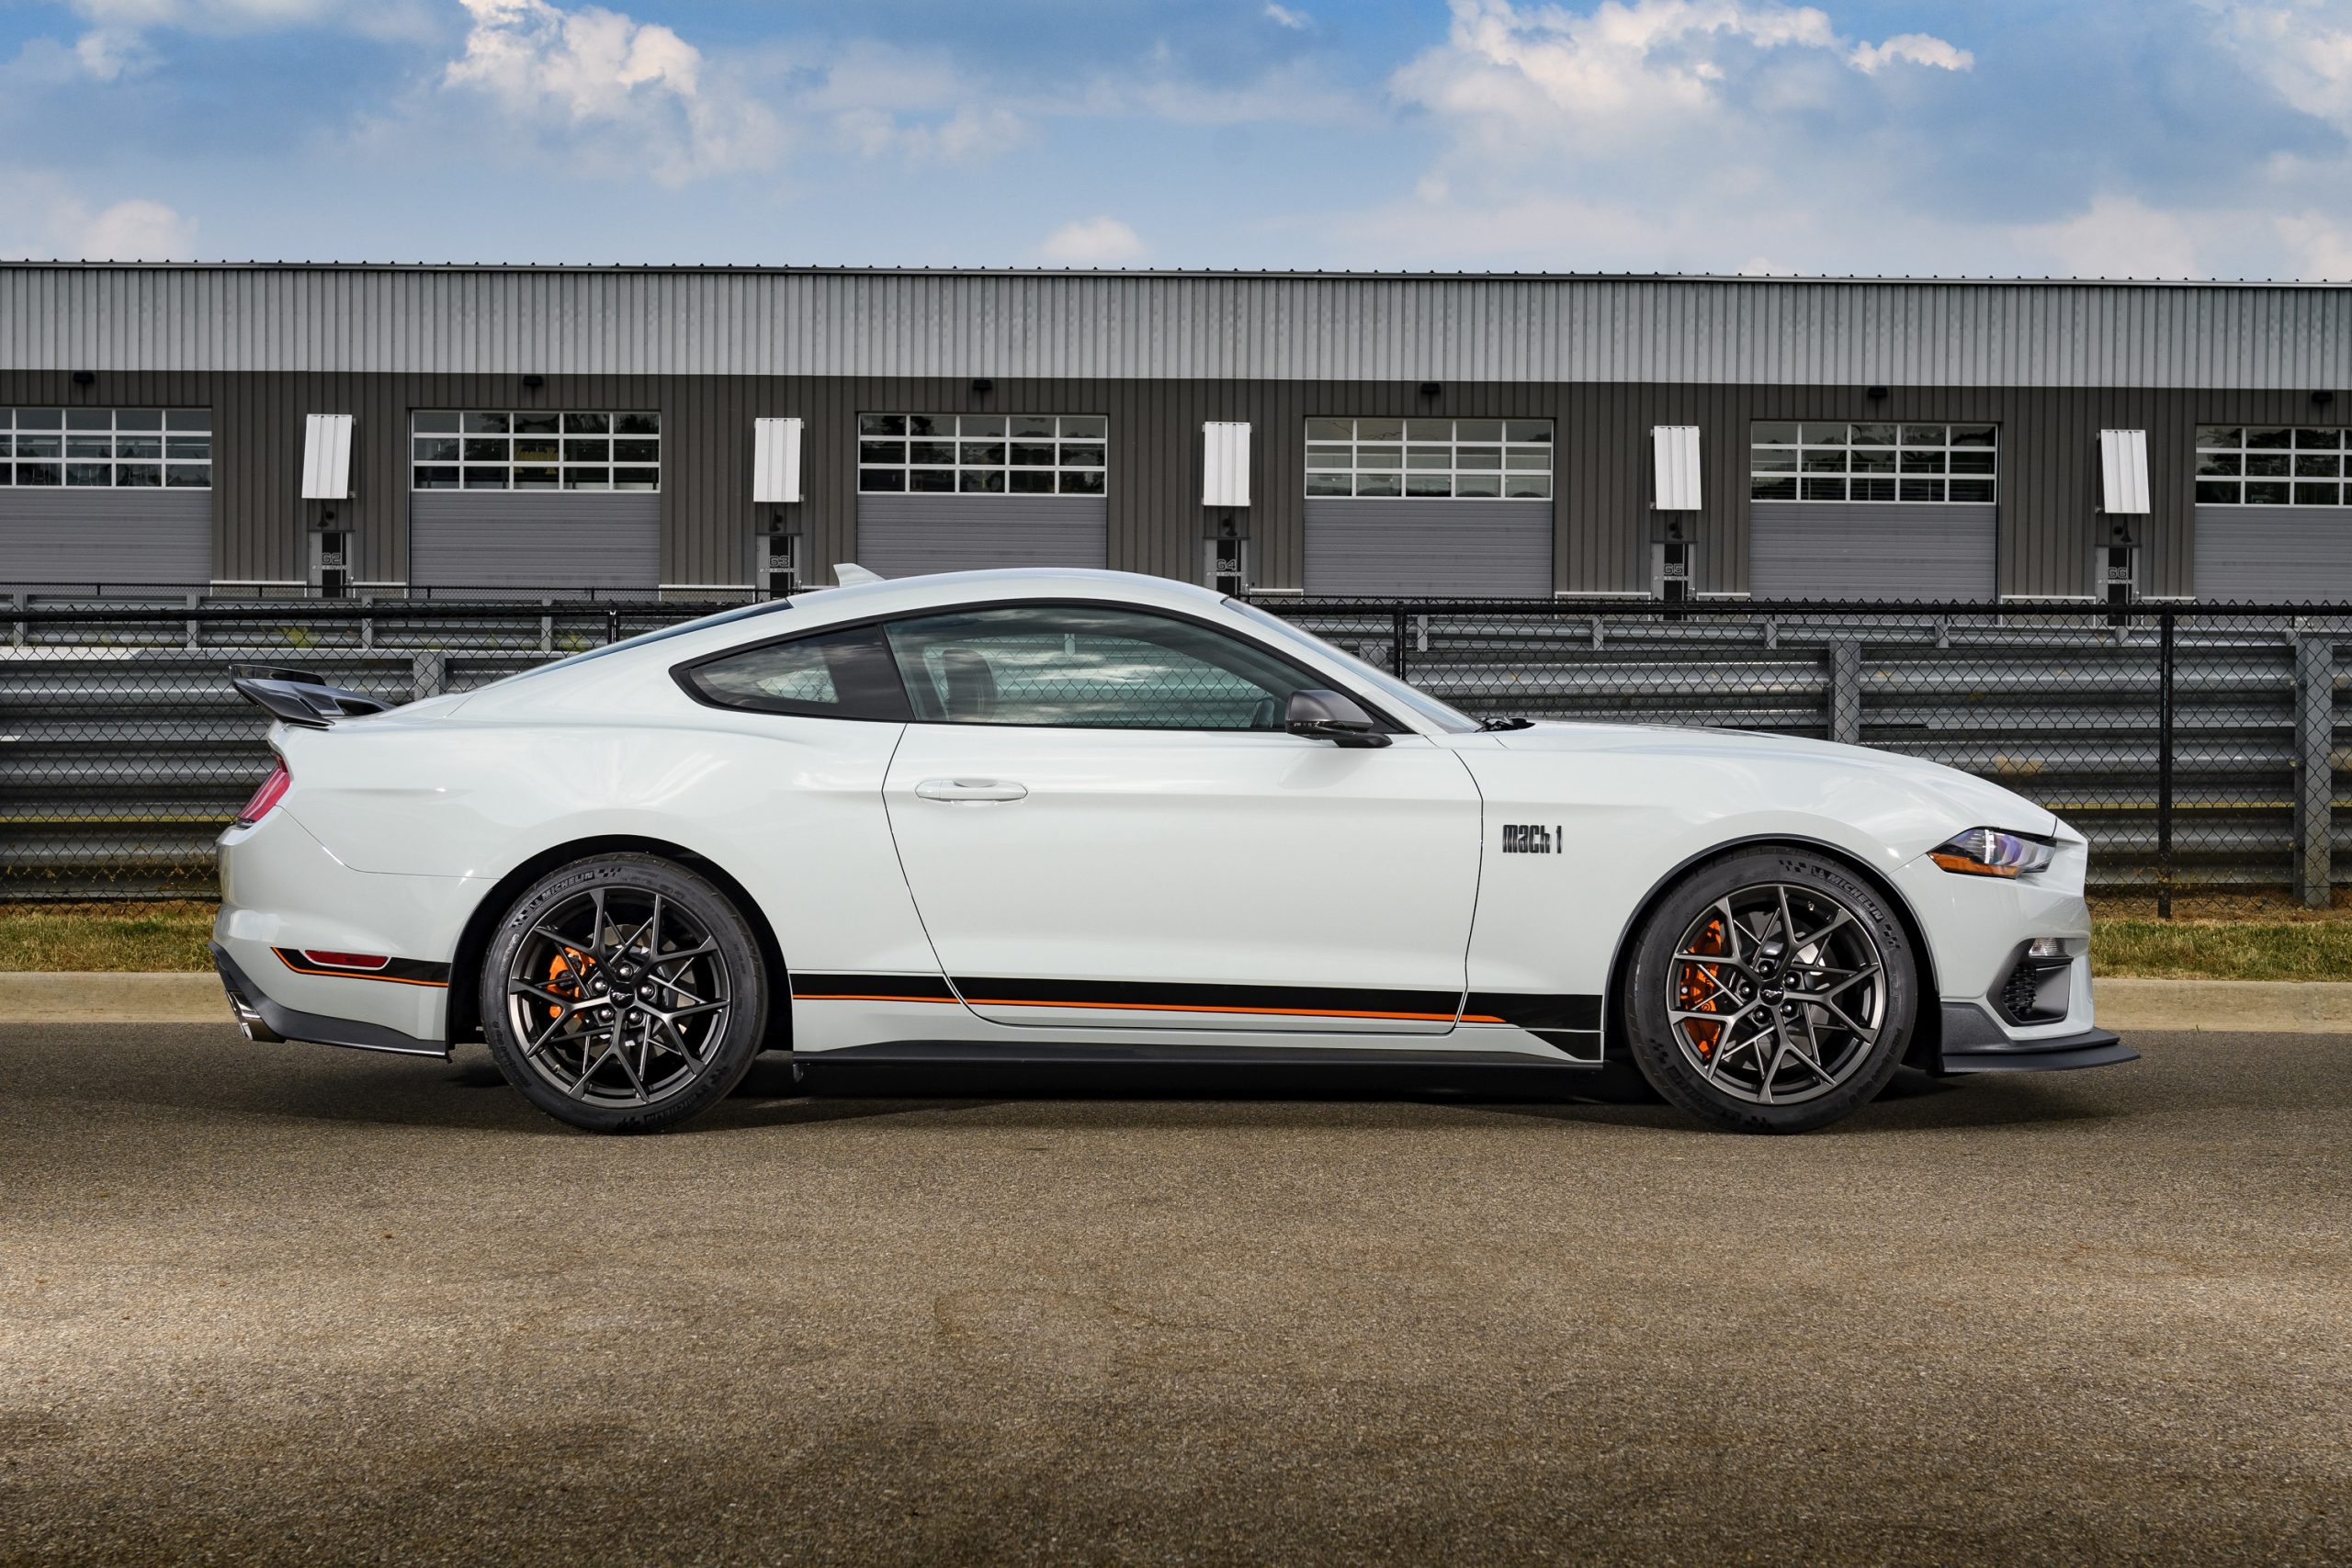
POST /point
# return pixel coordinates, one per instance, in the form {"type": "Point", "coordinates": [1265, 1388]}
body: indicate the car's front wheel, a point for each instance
{"type": "Point", "coordinates": [624, 993]}
{"type": "Point", "coordinates": [1771, 991]}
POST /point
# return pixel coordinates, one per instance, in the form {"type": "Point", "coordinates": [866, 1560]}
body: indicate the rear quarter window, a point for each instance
{"type": "Point", "coordinates": [844, 674]}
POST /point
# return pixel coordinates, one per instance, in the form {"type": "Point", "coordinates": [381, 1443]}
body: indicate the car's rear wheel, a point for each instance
{"type": "Point", "coordinates": [624, 993]}
{"type": "Point", "coordinates": [1772, 991]}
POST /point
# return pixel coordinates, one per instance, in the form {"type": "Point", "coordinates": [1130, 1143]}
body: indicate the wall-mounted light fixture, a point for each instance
{"type": "Point", "coordinates": [533, 383]}
{"type": "Point", "coordinates": [1431, 388]}
{"type": "Point", "coordinates": [84, 377]}
{"type": "Point", "coordinates": [982, 384]}
{"type": "Point", "coordinates": [1875, 394]}
{"type": "Point", "coordinates": [2322, 399]}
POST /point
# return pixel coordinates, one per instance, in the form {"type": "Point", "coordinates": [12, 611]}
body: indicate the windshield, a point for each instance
{"type": "Point", "coordinates": [660, 634]}
{"type": "Point", "coordinates": [1379, 680]}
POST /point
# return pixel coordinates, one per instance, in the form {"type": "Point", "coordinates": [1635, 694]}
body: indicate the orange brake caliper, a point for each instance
{"type": "Point", "coordinates": [1699, 988]}
{"type": "Point", "coordinates": [565, 974]}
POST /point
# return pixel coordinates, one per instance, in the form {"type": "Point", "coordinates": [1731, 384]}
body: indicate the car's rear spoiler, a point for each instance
{"type": "Point", "coordinates": [299, 697]}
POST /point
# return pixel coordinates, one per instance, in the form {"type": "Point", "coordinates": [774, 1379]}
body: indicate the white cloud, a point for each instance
{"type": "Point", "coordinates": [2319, 248]}
{"type": "Point", "coordinates": [1914, 49]}
{"type": "Point", "coordinates": [603, 71]}
{"type": "Point", "coordinates": [49, 222]}
{"type": "Point", "coordinates": [1283, 16]}
{"type": "Point", "coordinates": [117, 42]}
{"type": "Point", "coordinates": [1092, 241]}
{"type": "Point", "coordinates": [2119, 236]}
{"type": "Point", "coordinates": [2301, 48]}
{"type": "Point", "coordinates": [1619, 72]}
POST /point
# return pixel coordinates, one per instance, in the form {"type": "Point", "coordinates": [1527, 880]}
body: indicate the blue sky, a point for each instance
{"type": "Point", "coordinates": [2094, 137]}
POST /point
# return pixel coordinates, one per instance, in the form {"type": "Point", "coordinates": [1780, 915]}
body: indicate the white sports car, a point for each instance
{"type": "Point", "coordinates": [1082, 815]}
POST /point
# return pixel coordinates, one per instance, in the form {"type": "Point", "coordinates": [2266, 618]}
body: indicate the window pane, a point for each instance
{"type": "Point", "coordinates": [100, 447]}
{"type": "Point", "coordinates": [1477, 457]}
{"type": "Point", "coordinates": [1964, 461]}
{"type": "Point", "coordinates": [587, 449]}
{"type": "Point", "coordinates": [1477, 430]}
{"type": "Point", "coordinates": [194, 447]}
{"type": "Point", "coordinates": [629, 452]}
{"type": "Point", "coordinates": [1330, 429]}
{"type": "Point", "coordinates": [536, 424]}
{"type": "Point", "coordinates": [89, 419]}
{"type": "Point", "coordinates": [981, 482]}
{"type": "Point", "coordinates": [637, 479]}
{"type": "Point", "coordinates": [1479, 486]}
{"type": "Point", "coordinates": [1081, 481]}
{"type": "Point", "coordinates": [844, 674]}
{"type": "Point", "coordinates": [40, 419]}
{"type": "Point", "coordinates": [2316, 465]}
{"type": "Point", "coordinates": [1972, 490]}
{"type": "Point", "coordinates": [2220, 436]}
{"type": "Point", "coordinates": [931, 451]}
{"type": "Point", "coordinates": [1033, 454]}
{"type": "Point", "coordinates": [1030, 481]}
{"type": "Point", "coordinates": [1429, 484]}
{"type": "Point", "coordinates": [636, 425]}
{"type": "Point", "coordinates": [434, 479]}
{"type": "Point", "coordinates": [1330, 457]}
{"type": "Point", "coordinates": [1763, 489]}
{"type": "Point", "coordinates": [535, 479]}
{"type": "Point", "coordinates": [1825, 435]}
{"type": "Point", "coordinates": [1916, 462]}
{"type": "Point", "coordinates": [1923, 490]}
{"type": "Point", "coordinates": [39, 446]}
{"type": "Point", "coordinates": [486, 479]}
{"type": "Point", "coordinates": [1081, 456]}
{"type": "Point", "coordinates": [541, 449]}
{"type": "Point", "coordinates": [1429, 457]}
{"type": "Point", "coordinates": [486, 424]}
{"type": "Point", "coordinates": [2306, 494]}
{"type": "Point", "coordinates": [931, 481]}
{"type": "Point", "coordinates": [1824, 489]}
{"type": "Point", "coordinates": [1377, 484]}
{"type": "Point", "coordinates": [2219, 463]}
{"type": "Point", "coordinates": [187, 419]}
{"type": "Point", "coordinates": [188, 476]}
{"type": "Point", "coordinates": [1537, 430]}
{"type": "Point", "coordinates": [881, 479]}
{"type": "Point", "coordinates": [1428, 430]}
{"type": "Point", "coordinates": [2271, 438]}
{"type": "Point", "coordinates": [1083, 667]}
{"type": "Point", "coordinates": [1327, 484]}
{"type": "Point", "coordinates": [1085, 427]}
{"type": "Point", "coordinates": [1527, 487]}
{"type": "Point", "coordinates": [1033, 425]}
{"type": "Point", "coordinates": [2213, 493]}
{"type": "Point", "coordinates": [980, 424]}
{"type": "Point", "coordinates": [1825, 462]}
{"type": "Point", "coordinates": [1870, 489]}
{"type": "Point", "coordinates": [1536, 462]}
{"type": "Point", "coordinates": [483, 450]}
{"type": "Point", "coordinates": [425, 423]}
{"type": "Point", "coordinates": [1971, 435]}
{"type": "Point", "coordinates": [1923, 436]}
{"type": "Point", "coordinates": [1380, 430]}
{"type": "Point", "coordinates": [2267, 494]}
{"type": "Point", "coordinates": [930, 424]}
{"type": "Point", "coordinates": [435, 449]}
{"type": "Point", "coordinates": [1874, 435]}
{"type": "Point", "coordinates": [881, 451]}
{"type": "Point", "coordinates": [40, 474]}
{"type": "Point", "coordinates": [982, 453]}
{"type": "Point", "coordinates": [2305, 440]}
{"type": "Point", "coordinates": [1869, 461]}
{"type": "Point", "coordinates": [1380, 456]}
{"type": "Point", "coordinates": [2267, 463]}
{"type": "Point", "coordinates": [1770, 460]}
{"type": "Point", "coordinates": [881, 425]}
{"type": "Point", "coordinates": [89, 473]}
{"type": "Point", "coordinates": [587, 478]}
{"type": "Point", "coordinates": [1774, 433]}
{"type": "Point", "coordinates": [138, 419]}
{"type": "Point", "coordinates": [587, 424]}
{"type": "Point", "coordinates": [138, 476]}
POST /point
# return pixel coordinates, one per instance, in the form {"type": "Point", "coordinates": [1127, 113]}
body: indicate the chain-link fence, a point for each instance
{"type": "Point", "coordinates": [2200, 748]}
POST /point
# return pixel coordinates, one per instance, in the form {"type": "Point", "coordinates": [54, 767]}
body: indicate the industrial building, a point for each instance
{"type": "Point", "coordinates": [340, 429]}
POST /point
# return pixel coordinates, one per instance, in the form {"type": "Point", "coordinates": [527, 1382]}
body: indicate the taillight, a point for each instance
{"type": "Point", "coordinates": [272, 790]}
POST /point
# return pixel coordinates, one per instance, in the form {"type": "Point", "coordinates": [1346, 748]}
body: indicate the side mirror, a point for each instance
{"type": "Point", "coordinates": [1327, 716]}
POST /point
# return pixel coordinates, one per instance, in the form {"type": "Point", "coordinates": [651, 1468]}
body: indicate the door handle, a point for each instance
{"type": "Point", "coordinates": [958, 790]}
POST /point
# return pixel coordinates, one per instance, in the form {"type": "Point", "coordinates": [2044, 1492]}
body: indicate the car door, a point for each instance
{"type": "Point", "coordinates": [1103, 822]}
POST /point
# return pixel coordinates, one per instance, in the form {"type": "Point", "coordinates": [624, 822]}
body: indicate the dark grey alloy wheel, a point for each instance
{"type": "Point", "coordinates": [1773, 992]}
{"type": "Point", "coordinates": [624, 993]}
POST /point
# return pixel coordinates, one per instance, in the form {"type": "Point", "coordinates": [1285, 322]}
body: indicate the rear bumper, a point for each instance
{"type": "Point", "coordinates": [1974, 1043]}
{"type": "Point", "coordinates": [268, 1020]}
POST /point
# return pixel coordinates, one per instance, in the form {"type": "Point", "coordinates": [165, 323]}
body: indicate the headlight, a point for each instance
{"type": "Point", "coordinates": [1989, 851]}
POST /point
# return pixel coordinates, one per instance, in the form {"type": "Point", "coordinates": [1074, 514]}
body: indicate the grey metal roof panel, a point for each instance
{"type": "Point", "coordinates": [1263, 326]}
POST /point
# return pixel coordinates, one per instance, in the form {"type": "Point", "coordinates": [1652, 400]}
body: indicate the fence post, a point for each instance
{"type": "Point", "coordinates": [428, 675]}
{"type": "Point", "coordinates": [2315, 768]}
{"type": "Point", "coordinates": [1845, 691]}
{"type": "Point", "coordinates": [1397, 632]}
{"type": "Point", "coordinates": [546, 626]}
{"type": "Point", "coordinates": [195, 636]}
{"type": "Point", "coordinates": [612, 627]}
{"type": "Point", "coordinates": [2163, 764]}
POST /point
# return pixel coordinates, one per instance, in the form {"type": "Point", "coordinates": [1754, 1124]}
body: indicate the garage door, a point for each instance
{"type": "Point", "coordinates": [534, 540]}
{"type": "Point", "coordinates": [1863, 550]}
{"type": "Point", "coordinates": [1435, 548]}
{"type": "Point", "coordinates": [907, 536]}
{"type": "Point", "coordinates": [2278, 554]}
{"type": "Point", "coordinates": [106, 537]}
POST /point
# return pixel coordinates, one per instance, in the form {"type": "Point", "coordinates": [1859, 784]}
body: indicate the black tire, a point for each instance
{"type": "Point", "coordinates": [695, 1019]}
{"type": "Point", "coordinates": [1706, 1030]}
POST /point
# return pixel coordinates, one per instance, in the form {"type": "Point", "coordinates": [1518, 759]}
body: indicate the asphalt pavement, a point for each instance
{"type": "Point", "coordinates": [282, 1302]}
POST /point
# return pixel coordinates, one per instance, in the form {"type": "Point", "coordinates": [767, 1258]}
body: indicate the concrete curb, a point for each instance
{"type": "Point", "coordinates": [2235, 1006]}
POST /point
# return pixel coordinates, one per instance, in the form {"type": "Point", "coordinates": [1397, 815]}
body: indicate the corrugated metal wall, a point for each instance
{"type": "Point", "coordinates": [1865, 550]}
{"type": "Point", "coordinates": [1405, 547]}
{"type": "Point", "coordinates": [2275, 554]}
{"type": "Point", "coordinates": [486, 538]}
{"type": "Point", "coordinates": [2049, 483]}
{"type": "Point", "coordinates": [1260, 327]}
{"type": "Point", "coordinates": [105, 535]}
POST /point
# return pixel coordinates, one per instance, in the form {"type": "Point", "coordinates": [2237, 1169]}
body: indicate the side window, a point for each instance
{"type": "Point", "coordinates": [844, 674]}
{"type": "Point", "coordinates": [1076, 665]}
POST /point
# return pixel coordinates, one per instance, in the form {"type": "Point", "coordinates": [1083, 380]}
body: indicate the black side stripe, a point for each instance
{"type": "Point", "coordinates": [1152, 995]}
{"type": "Point", "coordinates": [1535, 1011]}
{"type": "Point", "coordinates": [870, 989]}
{"type": "Point", "coordinates": [400, 971]}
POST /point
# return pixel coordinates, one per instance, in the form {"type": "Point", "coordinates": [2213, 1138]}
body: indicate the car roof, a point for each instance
{"type": "Point", "coordinates": [893, 595]}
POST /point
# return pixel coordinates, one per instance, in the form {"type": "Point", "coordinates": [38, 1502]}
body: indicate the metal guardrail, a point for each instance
{"type": "Point", "coordinates": [2198, 748]}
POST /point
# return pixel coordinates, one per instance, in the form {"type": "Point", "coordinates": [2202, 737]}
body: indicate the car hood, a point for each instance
{"type": "Point", "coordinates": [1984, 803]}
